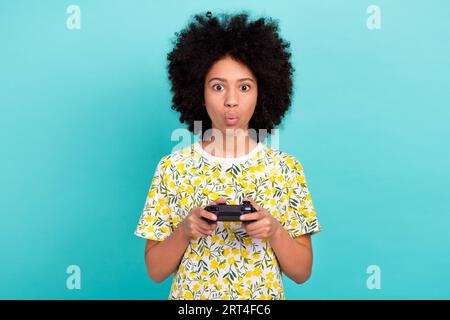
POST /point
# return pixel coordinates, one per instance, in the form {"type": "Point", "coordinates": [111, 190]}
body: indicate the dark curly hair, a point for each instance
{"type": "Point", "coordinates": [256, 44]}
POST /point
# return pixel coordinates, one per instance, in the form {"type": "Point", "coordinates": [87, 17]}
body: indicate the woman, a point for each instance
{"type": "Point", "coordinates": [234, 75]}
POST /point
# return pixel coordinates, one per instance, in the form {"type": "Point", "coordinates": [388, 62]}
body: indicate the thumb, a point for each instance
{"type": "Point", "coordinates": [254, 204]}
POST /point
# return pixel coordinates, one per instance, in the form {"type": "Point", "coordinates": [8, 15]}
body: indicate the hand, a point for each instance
{"type": "Point", "coordinates": [195, 226]}
{"type": "Point", "coordinates": [265, 226]}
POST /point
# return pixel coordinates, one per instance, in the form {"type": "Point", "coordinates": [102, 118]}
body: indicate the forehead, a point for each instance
{"type": "Point", "coordinates": [229, 68]}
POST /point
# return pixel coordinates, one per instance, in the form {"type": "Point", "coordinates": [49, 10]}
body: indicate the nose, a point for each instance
{"type": "Point", "coordinates": [231, 99]}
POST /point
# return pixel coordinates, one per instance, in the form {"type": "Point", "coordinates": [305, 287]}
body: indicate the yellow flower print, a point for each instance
{"type": "Point", "coordinates": [294, 223]}
{"type": "Point", "coordinates": [205, 168]}
{"type": "Point", "coordinates": [163, 229]}
{"type": "Point", "coordinates": [300, 179]}
{"type": "Point", "coordinates": [206, 191]}
{"type": "Point", "coordinates": [270, 276]}
{"type": "Point", "coordinates": [184, 201]}
{"type": "Point", "coordinates": [180, 166]}
{"type": "Point", "coordinates": [216, 174]}
{"type": "Point", "coordinates": [188, 295]}
{"type": "Point", "coordinates": [231, 261]}
{"type": "Point", "coordinates": [214, 195]}
{"type": "Point", "coordinates": [213, 264]}
{"type": "Point", "coordinates": [213, 280]}
{"type": "Point", "coordinates": [255, 256]}
{"type": "Point", "coordinates": [244, 253]}
{"type": "Point", "coordinates": [226, 252]}
{"type": "Point", "coordinates": [151, 194]}
{"type": "Point", "coordinates": [206, 252]}
{"type": "Point", "coordinates": [215, 238]}
{"type": "Point", "coordinates": [176, 219]}
{"type": "Point", "coordinates": [162, 202]}
{"type": "Point", "coordinates": [273, 202]}
{"type": "Point", "coordinates": [228, 191]}
{"type": "Point", "coordinates": [195, 287]}
{"type": "Point", "coordinates": [225, 297]}
{"type": "Point", "coordinates": [280, 178]}
{"type": "Point", "coordinates": [197, 182]}
{"type": "Point", "coordinates": [248, 274]}
{"type": "Point", "coordinates": [257, 272]}
{"type": "Point", "coordinates": [193, 170]}
{"type": "Point", "coordinates": [167, 163]}
{"type": "Point", "coordinates": [260, 167]}
{"type": "Point", "coordinates": [202, 297]}
{"type": "Point", "coordinates": [190, 190]}
{"type": "Point", "coordinates": [267, 193]}
{"type": "Point", "coordinates": [228, 174]}
{"type": "Point", "coordinates": [268, 285]}
{"type": "Point", "coordinates": [151, 228]}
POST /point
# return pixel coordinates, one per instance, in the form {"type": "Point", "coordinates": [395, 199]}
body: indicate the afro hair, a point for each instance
{"type": "Point", "coordinates": [256, 44]}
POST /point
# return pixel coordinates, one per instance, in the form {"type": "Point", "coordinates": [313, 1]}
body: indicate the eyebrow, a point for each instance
{"type": "Point", "coordinates": [225, 80]}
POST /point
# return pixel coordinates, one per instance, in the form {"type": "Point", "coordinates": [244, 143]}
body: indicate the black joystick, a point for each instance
{"type": "Point", "coordinates": [230, 212]}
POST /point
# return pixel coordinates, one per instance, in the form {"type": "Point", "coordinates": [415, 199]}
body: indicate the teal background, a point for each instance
{"type": "Point", "coordinates": [85, 116]}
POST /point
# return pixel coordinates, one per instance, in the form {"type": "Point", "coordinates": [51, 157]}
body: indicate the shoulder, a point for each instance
{"type": "Point", "coordinates": [283, 159]}
{"type": "Point", "coordinates": [178, 158]}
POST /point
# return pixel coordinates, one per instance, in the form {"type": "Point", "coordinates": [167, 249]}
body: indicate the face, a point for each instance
{"type": "Point", "coordinates": [230, 94]}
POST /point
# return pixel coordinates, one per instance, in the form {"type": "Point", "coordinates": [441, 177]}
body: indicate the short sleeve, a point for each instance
{"type": "Point", "coordinates": [300, 215]}
{"type": "Point", "coordinates": [155, 222]}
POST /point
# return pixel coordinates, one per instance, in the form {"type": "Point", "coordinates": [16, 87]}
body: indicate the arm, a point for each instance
{"type": "Point", "coordinates": [162, 258]}
{"type": "Point", "coordinates": [293, 255]}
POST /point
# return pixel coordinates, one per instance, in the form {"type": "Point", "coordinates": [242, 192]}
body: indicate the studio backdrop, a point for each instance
{"type": "Point", "coordinates": [85, 117]}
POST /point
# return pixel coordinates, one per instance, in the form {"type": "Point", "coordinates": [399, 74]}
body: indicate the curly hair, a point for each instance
{"type": "Point", "coordinates": [256, 44]}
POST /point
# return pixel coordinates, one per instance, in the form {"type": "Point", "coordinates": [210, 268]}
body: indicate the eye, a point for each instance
{"type": "Point", "coordinates": [217, 85]}
{"type": "Point", "coordinates": [246, 87]}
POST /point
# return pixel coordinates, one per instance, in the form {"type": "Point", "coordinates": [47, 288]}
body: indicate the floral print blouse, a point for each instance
{"type": "Point", "coordinates": [228, 264]}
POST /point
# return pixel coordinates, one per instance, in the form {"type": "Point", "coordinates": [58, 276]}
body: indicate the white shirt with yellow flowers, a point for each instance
{"type": "Point", "coordinates": [228, 264]}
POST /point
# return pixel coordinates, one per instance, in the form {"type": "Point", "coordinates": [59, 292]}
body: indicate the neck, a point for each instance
{"type": "Point", "coordinates": [232, 144]}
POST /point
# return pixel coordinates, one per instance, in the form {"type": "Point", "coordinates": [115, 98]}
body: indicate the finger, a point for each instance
{"type": "Point", "coordinates": [259, 235]}
{"type": "Point", "coordinates": [198, 231]}
{"type": "Point", "coordinates": [252, 216]}
{"type": "Point", "coordinates": [208, 215]}
{"type": "Point", "coordinates": [204, 227]}
{"type": "Point", "coordinates": [254, 204]}
{"type": "Point", "coordinates": [253, 227]}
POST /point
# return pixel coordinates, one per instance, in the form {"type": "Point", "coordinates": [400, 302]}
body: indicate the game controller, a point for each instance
{"type": "Point", "coordinates": [230, 212]}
